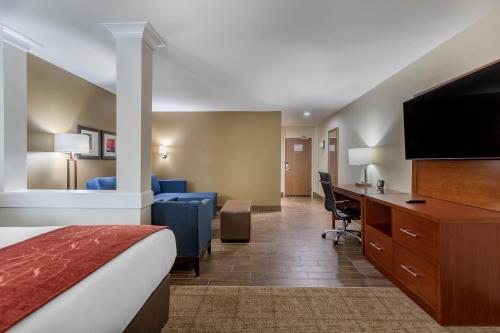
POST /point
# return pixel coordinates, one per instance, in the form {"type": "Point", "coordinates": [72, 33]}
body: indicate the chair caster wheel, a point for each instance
{"type": "Point", "coordinates": [335, 242]}
{"type": "Point", "coordinates": [323, 235]}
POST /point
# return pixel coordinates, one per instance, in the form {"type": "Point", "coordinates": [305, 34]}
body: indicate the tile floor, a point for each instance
{"type": "Point", "coordinates": [286, 249]}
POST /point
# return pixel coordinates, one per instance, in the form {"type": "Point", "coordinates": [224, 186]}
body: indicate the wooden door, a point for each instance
{"type": "Point", "coordinates": [333, 154]}
{"type": "Point", "coordinates": [332, 159]}
{"type": "Point", "coordinates": [298, 167]}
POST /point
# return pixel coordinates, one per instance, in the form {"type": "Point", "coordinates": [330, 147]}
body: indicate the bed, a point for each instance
{"type": "Point", "coordinates": [129, 293]}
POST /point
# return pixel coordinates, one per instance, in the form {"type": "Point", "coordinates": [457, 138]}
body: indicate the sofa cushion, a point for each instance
{"type": "Point", "coordinates": [155, 185]}
{"type": "Point", "coordinates": [173, 185]}
{"type": "Point", "coordinates": [165, 197]}
{"type": "Point", "coordinates": [102, 183]}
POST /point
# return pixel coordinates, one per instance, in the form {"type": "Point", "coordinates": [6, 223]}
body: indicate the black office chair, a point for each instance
{"type": "Point", "coordinates": [345, 214]}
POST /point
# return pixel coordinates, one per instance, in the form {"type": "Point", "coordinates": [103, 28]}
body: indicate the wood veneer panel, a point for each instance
{"type": "Point", "coordinates": [379, 246]}
{"type": "Point", "coordinates": [415, 233]}
{"type": "Point", "coordinates": [416, 273]}
{"type": "Point", "coordinates": [470, 273]}
{"type": "Point", "coordinates": [468, 182]}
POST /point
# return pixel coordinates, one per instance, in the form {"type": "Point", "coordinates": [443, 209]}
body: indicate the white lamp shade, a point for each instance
{"type": "Point", "coordinates": [71, 143]}
{"type": "Point", "coordinates": [163, 150]}
{"type": "Point", "coordinates": [360, 156]}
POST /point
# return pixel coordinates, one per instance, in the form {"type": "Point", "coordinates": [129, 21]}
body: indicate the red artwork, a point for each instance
{"type": "Point", "coordinates": [110, 145]}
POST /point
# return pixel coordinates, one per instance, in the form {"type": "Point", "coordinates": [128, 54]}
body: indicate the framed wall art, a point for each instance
{"type": "Point", "coordinates": [108, 145]}
{"type": "Point", "coordinates": [94, 142]}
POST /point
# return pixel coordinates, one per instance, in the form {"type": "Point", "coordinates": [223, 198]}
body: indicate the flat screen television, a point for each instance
{"type": "Point", "coordinates": [459, 120]}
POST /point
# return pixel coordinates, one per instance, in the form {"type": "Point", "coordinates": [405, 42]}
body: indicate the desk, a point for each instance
{"type": "Point", "coordinates": [355, 194]}
{"type": "Point", "coordinates": [443, 255]}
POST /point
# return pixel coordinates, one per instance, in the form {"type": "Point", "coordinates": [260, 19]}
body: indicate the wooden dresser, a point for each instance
{"type": "Point", "coordinates": [444, 255]}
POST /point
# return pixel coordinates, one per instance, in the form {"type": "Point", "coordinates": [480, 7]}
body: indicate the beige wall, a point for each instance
{"type": "Point", "coordinates": [58, 101]}
{"type": "Point", "coordinates": [236, 154]}
{"type": "Point", "coordinates": [376, 119]}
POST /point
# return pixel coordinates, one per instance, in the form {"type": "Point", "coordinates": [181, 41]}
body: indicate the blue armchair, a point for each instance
{"type": "Point", "coordinates": [191, 222]}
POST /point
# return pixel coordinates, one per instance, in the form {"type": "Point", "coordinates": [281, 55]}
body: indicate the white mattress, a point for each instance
{"type": "Point", "coordinates": [108, 299]}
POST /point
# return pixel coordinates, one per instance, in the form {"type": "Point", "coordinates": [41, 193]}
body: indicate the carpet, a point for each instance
{"type": "Point", "coordinates": [305, 310]}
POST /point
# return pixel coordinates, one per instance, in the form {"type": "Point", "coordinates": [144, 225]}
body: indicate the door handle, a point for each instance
{"type": "Point", "coordinates": [378, 248]}
{"type": "Point", "coordinates": [287, 167]}
{"type": "Point", "coordinates": [409, 271]}
{"type": "Point", "coordinates": [414, 235]}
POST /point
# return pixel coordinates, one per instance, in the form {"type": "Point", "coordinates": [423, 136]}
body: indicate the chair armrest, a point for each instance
{"type": "Point", "coordinates": [173, 185]}
{"type": "Point", "coordinates": [204, 224]}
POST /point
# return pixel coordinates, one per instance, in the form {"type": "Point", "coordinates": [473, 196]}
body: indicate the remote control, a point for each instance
{"type": "Point", "coordinates": [415, 201]}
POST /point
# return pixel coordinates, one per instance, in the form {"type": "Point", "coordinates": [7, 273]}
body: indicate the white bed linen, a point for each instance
{"type": "Point", "coordinates": [108, 299]}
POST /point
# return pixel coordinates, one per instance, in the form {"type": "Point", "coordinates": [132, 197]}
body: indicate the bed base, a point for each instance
{"type": "Point", "coordinates": [153, 315]}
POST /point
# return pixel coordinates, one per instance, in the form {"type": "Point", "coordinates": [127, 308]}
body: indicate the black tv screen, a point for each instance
{"type": "Point", "coordinates": [460, 120]}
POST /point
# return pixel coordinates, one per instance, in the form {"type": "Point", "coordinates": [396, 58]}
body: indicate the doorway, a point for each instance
{"type": "Point", "coordinates": [298, 166]}
{"type": "Point", "coordinates": [333, 154]}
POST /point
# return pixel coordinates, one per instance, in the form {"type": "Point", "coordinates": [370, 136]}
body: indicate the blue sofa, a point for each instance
{"type": "Point", "coordinates": [168, 189]}
{"type": "Point", "coordinates": [191, 222]}
{"type": "Point", "coordinates": [102, 183]}
{"type": "Point", "coordinates": [164, 190]}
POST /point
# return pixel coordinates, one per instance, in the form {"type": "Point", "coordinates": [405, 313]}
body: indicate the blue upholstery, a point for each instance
{"type": "Point", "coordinates": [165, 197]}
{"type": "Point", "coordinates": [167, 190]}
{"type": "Point", "coordinates": [199, 196]}
{"type": "Point", "coordinates": [155, 185]}
{"type": "Point", "coordinates": [191, 222]}
{"type": "Point", "coordinates": [102, 183]}
{"type": "Point", "coordinates": [173, 185]}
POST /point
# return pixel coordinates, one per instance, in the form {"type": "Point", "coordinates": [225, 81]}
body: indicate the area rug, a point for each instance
{"type": "Point", "coordinates": [307, 310]}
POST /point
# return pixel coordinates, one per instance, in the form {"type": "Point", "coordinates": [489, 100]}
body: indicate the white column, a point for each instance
{"type": "Point", "coordinates": [135, 43]}
{"type": "Point", "coordinates": [13, 109]}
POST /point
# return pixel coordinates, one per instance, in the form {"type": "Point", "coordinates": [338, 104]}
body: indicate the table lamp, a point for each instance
{"type": "Point", "coordinates": [362, 157]}
{"type": "Point", "coordinates": [71, 144]}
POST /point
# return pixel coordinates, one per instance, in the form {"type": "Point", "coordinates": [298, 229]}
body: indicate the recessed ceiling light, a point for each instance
{"type": "Point", "coordinates": [307, 114]}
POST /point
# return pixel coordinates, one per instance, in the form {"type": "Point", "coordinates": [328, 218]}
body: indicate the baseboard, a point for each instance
{"type": "Point", "coordinates": [317, 196]}
{"type": "Point", "coordinates": [266, 208]}
{"type": "Point", "coordinates": [261, 208]}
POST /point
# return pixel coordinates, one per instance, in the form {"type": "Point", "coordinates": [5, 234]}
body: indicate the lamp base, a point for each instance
{"type": "Point", "coordinates": [363, 184]}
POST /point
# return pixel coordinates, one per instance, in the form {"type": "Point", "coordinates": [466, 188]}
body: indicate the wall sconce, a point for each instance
{"type": "Point", "coordinates": [322, 144]}
{"type": "Point", "coordinates": [163, 151]}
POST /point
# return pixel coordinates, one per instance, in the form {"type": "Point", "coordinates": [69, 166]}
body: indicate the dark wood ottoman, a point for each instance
{"type": "Point", "coordinates": [235, 221]}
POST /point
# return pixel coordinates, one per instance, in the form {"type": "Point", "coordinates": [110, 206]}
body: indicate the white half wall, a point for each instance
{"type": "Point", "coordinates": [376, 118]}
{"type": "Point", "coordinates": [38, 217]}
{"type": "Point", "coordinates": [13, 117]}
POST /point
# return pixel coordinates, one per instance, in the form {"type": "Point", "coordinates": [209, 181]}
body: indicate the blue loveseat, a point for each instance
{"type": "Point", "coordinates": [169, 189]}
{"type": "Point", "coordinates": [164, 190]}
{"type": "Point", "coordinates": [191, 222]}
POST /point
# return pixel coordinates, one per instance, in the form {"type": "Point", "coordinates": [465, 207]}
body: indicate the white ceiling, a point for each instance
{"type": "Point", "coordinates": [290, 55]}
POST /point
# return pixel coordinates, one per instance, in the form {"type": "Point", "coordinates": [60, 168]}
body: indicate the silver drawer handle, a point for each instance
{"type": "Point", "coordinates": [378, 248]}
{"type": "Point", "coordinates": [409, 271]}
{"type": "Point", "coordinates": [409, 233]}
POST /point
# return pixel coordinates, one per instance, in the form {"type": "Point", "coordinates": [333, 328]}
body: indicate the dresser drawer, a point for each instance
{"type": "Point", "coordinates": [416, 274]}
{"type": "Point", "coordinates": [379, 247]}
{"type": "Point", "coordinates": [415, 233]}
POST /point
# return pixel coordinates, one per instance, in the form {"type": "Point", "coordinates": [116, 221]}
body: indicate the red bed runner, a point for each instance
{"type": "Point", "coordinates": [35, 271]}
